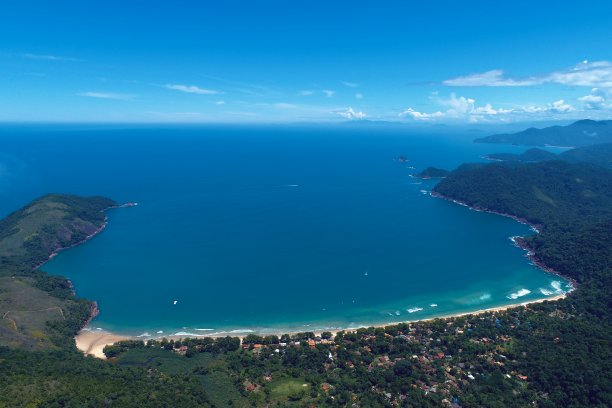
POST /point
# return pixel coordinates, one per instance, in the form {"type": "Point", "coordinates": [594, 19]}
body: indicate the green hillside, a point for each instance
{"type": "Point", "coordinates": [40, 311]}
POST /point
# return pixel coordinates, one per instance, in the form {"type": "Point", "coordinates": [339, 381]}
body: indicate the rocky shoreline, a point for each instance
{"type": "Point", "coordinates": [518, 241]}
{"type": "Point", "coordinates": [94, 310]}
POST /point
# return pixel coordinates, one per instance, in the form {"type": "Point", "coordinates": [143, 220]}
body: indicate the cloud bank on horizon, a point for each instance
{"type": "Point", "coordinates": [275, 62]}
{"type": "Point", "coordinates": [596, 75]}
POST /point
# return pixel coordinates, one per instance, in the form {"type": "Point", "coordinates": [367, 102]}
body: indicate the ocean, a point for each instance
{"type": "Point", "coordinates": [271, 228]}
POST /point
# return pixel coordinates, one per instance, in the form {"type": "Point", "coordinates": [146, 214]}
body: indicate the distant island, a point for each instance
{"type": "Point", "coordinates": [600, 154]}
{"type": "Point", "coordinates": [432, 172]}
{"type": "Point", "coordinates": [580, 133]}
{"type": "Point", "coordinates": [403, 159]}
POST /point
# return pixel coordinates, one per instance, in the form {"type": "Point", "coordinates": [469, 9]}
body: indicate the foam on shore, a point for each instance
{"type": "Point", "coordinates": [520, 293]}
{"type": "Point", "coordinates": [188, 334]}
{"type": "Point", "coordinates": [556, 286]}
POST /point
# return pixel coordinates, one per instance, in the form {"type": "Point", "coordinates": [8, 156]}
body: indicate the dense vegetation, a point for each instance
{"type": "Point", "coordinates": [29, 235]}
{"type": "Point", "coordinates": [39, 363]}
{"type": "Point", "coordinates": [39, 311]}
{"type": "Point", "coordinates": [432, 172]}
{"type": "Point", "coordinates": [582, 133]}
{"type": "Point", "coordinates": [600, 154]}
{"type": "Point", "coordinates": [554, 193]}
{"type": "Point", "coordinates": [64, 378]}
{"type": "Point", "coordinates": [528, 156]}
{"type": "Point", "coordinates": [547, 355]}
{"type": "Point", "coordinates": [569, 348]}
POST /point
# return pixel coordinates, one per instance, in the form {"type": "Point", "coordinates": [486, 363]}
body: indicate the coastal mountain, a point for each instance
{"type": "Point", "coordinates": [40, 311]}
{"type": "Point", "coordinates": [40, 314]}
{"type": "Point", "coordinates": [600, 155]}
{"type": "Point", "coordinates": [572, 204]}
{"type": "Point", "coordinates": [541, 193]}
{"type": "Point", "coordinates": [580, 133]}
{"type": "Point", "coordinates": [30, 235]}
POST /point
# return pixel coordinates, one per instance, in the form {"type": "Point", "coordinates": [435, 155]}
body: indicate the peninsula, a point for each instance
{"type": "Point", "coordinates": [432, 172]}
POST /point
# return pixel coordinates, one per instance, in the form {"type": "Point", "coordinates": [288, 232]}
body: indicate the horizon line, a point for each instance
{"type": "Point", "coordinates": [289, 122]}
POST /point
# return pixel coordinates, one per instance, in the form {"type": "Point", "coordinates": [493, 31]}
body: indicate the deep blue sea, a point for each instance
{"type": "Point", "coordinates": [271, 228]}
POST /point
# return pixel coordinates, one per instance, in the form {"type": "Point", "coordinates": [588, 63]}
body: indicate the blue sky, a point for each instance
{"type": "Point", "coordinates": [283, 61]}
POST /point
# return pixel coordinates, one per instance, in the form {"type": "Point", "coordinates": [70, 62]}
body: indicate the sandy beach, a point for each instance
{"type": "Point", "coordinates": [494, 309]}
{"type": "Point", "coordinates": [93, 342]}
{"type": "Point", "coordinates": [450, 316]}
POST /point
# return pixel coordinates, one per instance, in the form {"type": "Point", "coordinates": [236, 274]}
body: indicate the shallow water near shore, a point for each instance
{"type": "Point", "coordinates": [271, 229]}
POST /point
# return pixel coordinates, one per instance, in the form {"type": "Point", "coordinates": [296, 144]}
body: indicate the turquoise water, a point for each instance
{"type": "Point", "coordinates": [271, 228]}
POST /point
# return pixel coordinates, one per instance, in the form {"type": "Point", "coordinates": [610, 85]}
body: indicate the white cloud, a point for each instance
{"type": "Point", "coordinates": [47, 57]}
{"type": "Point", "coordinates": [556, 107]}
{"type": "Point", "coordinates": [592, 100]}
{"type": "Point", "coordinates": [597, 74]}
{"type": "Point", "coordinates": [106, 95]}
{"type": "Point", "coordinates": [328, 93]}
{"type": "Point", "coordinates": [349, 84]}
{"type": "Point", "coordinates": [192, 89]}
{"type": "Point", "coordinates": [490, 78]}
{"type": "Point", "coordinates": [460, 108]}
{"type": "Point", "coordinates": [592, 74]}
{"type": "Point", "coordinates": [560, 106]}
{"type": "Point", "coordinates": [220, 103]}
{"type": "Point", "coordinates": [283, 105]}
{"type": "Point", "coordinates": [416, 115]}
{"type": "Point", "coordinates": [352, 114]}
{"type": "Point", "coordinates": [596, 100]}
{"type": "Point", "coordinates": [489, 110]}
{"type": "Point", "coordinates": [358, 95]}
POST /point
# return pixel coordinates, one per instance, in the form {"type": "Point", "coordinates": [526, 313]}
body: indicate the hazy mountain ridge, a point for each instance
{"type": "Point", "coordinates": [581, 133]}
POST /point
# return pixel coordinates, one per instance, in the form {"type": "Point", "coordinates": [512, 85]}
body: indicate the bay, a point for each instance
{"type": "Point", "coordinates": [271, 228]}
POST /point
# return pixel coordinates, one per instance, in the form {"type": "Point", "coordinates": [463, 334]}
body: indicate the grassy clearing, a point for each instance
{"type": "Point", "coordinates": [25, 311]}
{"type": "Point", "coordinates": [287, 388]}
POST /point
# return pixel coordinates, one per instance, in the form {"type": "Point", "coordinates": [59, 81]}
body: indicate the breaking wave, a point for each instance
{"type": "Point", "coordinates": [520, 293]}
